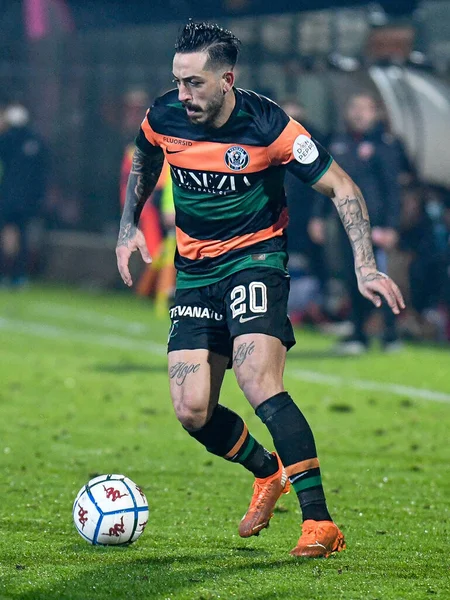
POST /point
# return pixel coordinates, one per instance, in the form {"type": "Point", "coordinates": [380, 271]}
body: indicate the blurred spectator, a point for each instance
{"type": "Point", "coordinates": [417, 264]}
{"type": "Point", "coordinates": [25, 165]}
{"type": "Point", "coordinates": [438, 212]}
{"type": "Point", "coordinates": [135, 102]}
{"type": "Point", "coordinates": [370, 156]}
{"type": "Point", "coordinates": [407, 170]}
{"type": "Point", "coordinates": [417, 238]}
{"type": "Point", "coordinates": [307, 266]}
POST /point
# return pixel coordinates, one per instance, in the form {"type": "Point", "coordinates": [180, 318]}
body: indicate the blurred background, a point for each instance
{"type": "Point", "coordinates": [371, 81]}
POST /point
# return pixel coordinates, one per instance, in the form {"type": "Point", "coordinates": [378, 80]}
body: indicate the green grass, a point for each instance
{"type": "Point", "coordinates": [84, 391]}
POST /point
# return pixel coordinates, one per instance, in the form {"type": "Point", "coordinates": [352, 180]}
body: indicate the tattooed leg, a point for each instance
{"type": "Point", "coordinates": [242, 352]}
{"type": "Point", "coordinates": [258, 362]}
{"type": "Point", "coordinates": [181, 370]}
{"type": "Point", "coordinates": [195, 378]}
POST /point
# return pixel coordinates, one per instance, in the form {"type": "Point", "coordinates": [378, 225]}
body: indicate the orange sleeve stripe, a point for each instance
{"type": "Point", "coordinates": [300, 467]}
{"type": "Point", "coordinates": [238, 444]}
{"type": "Point", "coordinates": [193, 249]}
{"type": "Point", "coordinates": [150, 135]}
{"type": "Point", "coordinates": [280, 151]}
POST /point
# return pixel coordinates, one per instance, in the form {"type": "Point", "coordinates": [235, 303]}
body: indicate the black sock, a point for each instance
{"type": "Point", "coordinates": [226, 435]}
{"type": "Point", "coordinates": [295, 445]}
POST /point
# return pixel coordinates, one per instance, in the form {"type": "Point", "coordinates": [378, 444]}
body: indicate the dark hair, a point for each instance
{"type": "Point", "coordinates": [222, 46]}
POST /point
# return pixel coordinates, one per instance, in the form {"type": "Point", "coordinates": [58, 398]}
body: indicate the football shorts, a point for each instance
{"type": "Point", "coordinates": [248, 301]}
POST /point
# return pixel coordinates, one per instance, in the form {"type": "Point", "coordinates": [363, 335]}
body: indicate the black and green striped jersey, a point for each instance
{"type": "Point", "coordinates": [230, 206]}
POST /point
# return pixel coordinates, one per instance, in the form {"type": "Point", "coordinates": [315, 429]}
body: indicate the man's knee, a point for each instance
{"type": "Point", "coordinates": [191, 412]}
{"type": "Point", "coordinates": [257, 386]}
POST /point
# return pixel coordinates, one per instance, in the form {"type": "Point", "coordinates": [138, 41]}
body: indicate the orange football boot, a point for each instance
{"type": "Point", "coordinates": [265, 495]}
{"type": "Point", "coordinates": [319, 538]}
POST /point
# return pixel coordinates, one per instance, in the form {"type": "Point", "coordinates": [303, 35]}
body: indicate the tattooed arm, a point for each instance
{"type": "Point", "coordinates": [144, 174]}
{"type": "Point", "coordinates": [352, 209]}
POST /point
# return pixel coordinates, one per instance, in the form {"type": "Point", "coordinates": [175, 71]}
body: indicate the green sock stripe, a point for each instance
{"type": "Point", "coordinates": [305, 484]}
{"type": "Point", "coordinates": [250, 446]}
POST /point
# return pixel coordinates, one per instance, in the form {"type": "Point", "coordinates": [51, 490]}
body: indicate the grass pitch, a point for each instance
{"type": "Point", "coordinates": [84, 391]}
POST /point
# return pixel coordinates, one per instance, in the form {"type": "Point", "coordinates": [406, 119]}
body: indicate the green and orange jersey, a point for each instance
{"type": "Point", "coordinates": [228, 191]}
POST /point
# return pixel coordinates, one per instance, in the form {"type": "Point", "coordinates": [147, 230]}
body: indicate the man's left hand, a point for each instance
{"type": "Point", "coordinates": [375, 285]}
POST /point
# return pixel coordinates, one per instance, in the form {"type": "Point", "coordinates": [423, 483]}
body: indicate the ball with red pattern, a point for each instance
{"type": "Point", "coordinates": [110, 510]}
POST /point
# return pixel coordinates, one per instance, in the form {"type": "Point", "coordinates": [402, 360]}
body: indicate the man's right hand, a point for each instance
{"type": "Point", "coordinates": [125, 246]}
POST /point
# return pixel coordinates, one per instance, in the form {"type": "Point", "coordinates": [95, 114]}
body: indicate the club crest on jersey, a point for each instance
{"type": "Point", "coordinates": [236, 158]}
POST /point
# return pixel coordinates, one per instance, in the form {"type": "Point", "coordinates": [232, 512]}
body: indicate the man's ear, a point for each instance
{"type": "Point", "coordinates": [228, 78]}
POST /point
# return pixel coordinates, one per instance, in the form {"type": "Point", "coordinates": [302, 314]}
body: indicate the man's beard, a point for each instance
{"type": "Point", "coordinates": [207, 115]}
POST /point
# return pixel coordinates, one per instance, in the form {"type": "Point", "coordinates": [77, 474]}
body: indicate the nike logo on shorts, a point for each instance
{"type": "Point", "coordinates": [174, 151]}
{"type": "Point", "coordinates": [245, 319]}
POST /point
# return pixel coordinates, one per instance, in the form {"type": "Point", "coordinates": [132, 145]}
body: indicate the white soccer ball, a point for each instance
{"type": "Point", "coordinates": [110, 510]}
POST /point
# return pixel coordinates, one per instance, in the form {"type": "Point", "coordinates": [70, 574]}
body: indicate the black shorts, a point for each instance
{"type": "Point", "coordinates": [249, 301]}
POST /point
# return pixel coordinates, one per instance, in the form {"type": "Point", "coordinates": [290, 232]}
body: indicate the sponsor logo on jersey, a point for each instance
{"type": "Point", "coordinates": [199, 312]}
{"type": "Point", "coordinates": [206, 182]}
{"type": "Point", "coordinates": [304, 150]}
{"type": "Point", "coordinates": [236, 158]}
{"type": "Point", "coordinates": [176, 141]}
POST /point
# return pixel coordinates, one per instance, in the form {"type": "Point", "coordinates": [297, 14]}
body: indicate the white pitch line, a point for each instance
{"type": "Point", "coordinates": [106, 340]}
{"type": "Point", "coordinates": [120, 342]}
{"type": "Point", "coordinates": [88, 317]}
{"type": "Point", "coordinates": [366, 384]}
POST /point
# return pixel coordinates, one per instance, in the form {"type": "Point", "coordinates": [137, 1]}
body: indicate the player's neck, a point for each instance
{"type": "Point", "coordinates": [227, 109]}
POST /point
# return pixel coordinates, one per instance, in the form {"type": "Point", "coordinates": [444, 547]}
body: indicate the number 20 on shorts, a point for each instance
{"type": "Point", "coordinates": [255, 299]}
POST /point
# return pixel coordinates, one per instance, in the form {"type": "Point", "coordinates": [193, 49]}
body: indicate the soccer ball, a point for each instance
{"type": "Point", "coordinates": [110, 510]}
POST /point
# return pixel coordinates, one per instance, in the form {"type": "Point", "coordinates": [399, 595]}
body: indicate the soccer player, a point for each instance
{"type": "Point", "coordinates": [228, 149]}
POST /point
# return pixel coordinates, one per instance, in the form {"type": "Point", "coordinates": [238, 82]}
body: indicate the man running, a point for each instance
{"type": "Point", "coordinates": [228, 149]}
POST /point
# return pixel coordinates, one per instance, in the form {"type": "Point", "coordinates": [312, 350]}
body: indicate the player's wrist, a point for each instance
{"type": "Point", "coordinates": [127, 232]}
{"type": "Point", "coordinates": [363, 271]}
